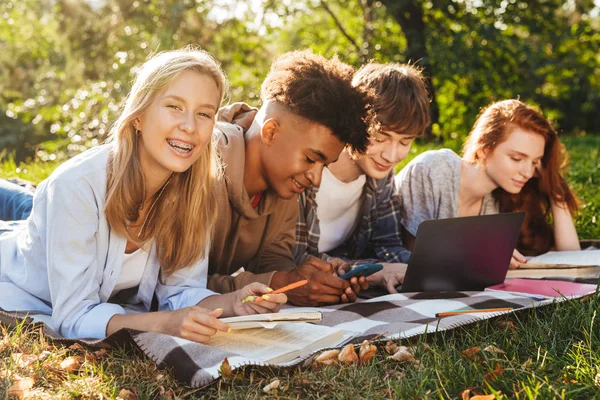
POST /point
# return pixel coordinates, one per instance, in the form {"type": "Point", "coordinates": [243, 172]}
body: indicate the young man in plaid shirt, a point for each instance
{"type": "Point", "coordinates": [355, 215]}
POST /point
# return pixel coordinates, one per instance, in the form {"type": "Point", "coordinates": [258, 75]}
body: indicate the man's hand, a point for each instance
{"type": "Point", "coordinates": [389, 277]}
{"type": "Point", "coordinates": [356, 283]}
{"type": "Point", "coordinates": [322, 287]}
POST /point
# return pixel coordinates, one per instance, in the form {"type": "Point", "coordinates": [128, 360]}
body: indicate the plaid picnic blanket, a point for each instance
{"type": "Point", "coordinates": [393, 316]}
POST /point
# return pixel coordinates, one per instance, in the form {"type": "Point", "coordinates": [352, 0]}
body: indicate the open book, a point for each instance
{"type": "Point", "coordinates": [280, 344]}
{"type": "Point", "coordinates": [575, 264]}
{"type": "Point", "coordinates": [271, 320]}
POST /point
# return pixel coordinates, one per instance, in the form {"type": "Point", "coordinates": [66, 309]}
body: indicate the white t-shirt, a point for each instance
{"type": "Point", "coordinates": [338, 205]}
{"type": "Point", "coordinates": [132, 270]}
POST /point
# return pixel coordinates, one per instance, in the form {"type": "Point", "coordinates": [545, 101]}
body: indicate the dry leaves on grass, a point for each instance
{"type": "Point", "coordinates": [96, 355]}
{"type": "Point", "coordinates": [466, 395]}
{"type": "Point", "coordinates": [326, 358]}
{"type": "Point", "coordinates": [404, 353]}
{"type": "Point", "coordinates": [597, 380]}
{"type": "Point", "coordinates": [23, 360]}
{"type": "Point", "coordinates": [225, 369]}
{"type": "Point", "coordinates": [126, 394]}
{"type": "Point", "coordinates": [390, 347]}
{"type": "Point", "coordinates": [494, 349]}
{"type": "Point", "coordinates": [493, 375]}
{"type": "Point", "coordinates": [508, 326]}
{"type": "Point", "coordinates": [20, 387]}
{"type": "Point", "coordinates": [348, 355]}
{"type": "Point", "coordinates": [472, 352]}
{"type": "Point", "coordinates": [272, 386]}
{"type": "Point", "coordinates": [71, 364]}
{"type": "Point", "coordinates": [367, 352]}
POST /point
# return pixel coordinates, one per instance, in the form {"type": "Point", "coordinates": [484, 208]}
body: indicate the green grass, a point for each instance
{"type": "Point", "coordinates": [553, 352]}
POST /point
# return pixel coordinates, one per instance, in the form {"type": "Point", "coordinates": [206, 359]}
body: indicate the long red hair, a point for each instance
{"type": "Point", "coordinates": [492, 127]}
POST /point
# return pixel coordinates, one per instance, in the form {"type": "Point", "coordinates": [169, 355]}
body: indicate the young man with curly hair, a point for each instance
{"type": "Point", "coordinates": [310, 113]}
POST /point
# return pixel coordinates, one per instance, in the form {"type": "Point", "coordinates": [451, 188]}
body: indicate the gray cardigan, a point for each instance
{"type": "Point", "coordinates": [65, 261]}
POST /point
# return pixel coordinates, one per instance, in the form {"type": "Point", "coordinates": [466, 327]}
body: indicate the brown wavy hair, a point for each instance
{"type": "Point", "coordinates": [492, 127]}
{"type": "Point", "coordinates": [183, 218]}
{"type": "Point", "coordinates": [321, 90]}
{"type": "Point", "coordinates": [401, 102]}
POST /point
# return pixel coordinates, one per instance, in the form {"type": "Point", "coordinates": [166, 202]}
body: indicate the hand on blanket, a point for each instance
{"type": "Point", "coordinates": [323, 286]}
{"type": "Point", "coordinates": [516, 260]}
{"type": "Point", "coordinates": [271, 302]}
{"type": "Point", "coordinates": [194, 323]}
{"type": "Point", "coordinates": [389, 277]}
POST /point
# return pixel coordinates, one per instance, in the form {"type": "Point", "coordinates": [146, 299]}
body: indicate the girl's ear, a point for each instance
{"type": "Point", "coordinates": [482, 154]}
{"type": "Point", "coordinates": [136, 124]}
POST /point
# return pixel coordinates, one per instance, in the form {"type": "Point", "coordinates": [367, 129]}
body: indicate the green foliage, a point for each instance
{"type": "Point", "coordinates": [66, 65]}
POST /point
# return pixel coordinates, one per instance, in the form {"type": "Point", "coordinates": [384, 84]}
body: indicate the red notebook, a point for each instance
{"type": "Point", "coordinates": [545, 287]}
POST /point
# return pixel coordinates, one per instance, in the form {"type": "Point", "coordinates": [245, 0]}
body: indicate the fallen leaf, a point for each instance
{"type": "Point", "coordinates": [494, 349]}
{"type": "Point", "coordinates": [271, 386]}
{"type": "Point", "coordinates": [367, 351]}
{"type": "Point", "coordinates": [403, 353]}
{"type": "Point", "coordinates": [526, 364]}
{"type": "Point", "coordinates": [225, 369]}
{"type": "Point", "coordinates": [466, 394]}
{"type": "Point", "coordinates": [95, 356]}
{"type": "Point", "coordinates": [303, 382]}
{"type": "Point", "coordinates": [508, 326]}
{"type": "Point", "coordinates": [597, 380]}
{"type": "Point", "coordinates": [20, 387]}
{"type": "Point", "coordinates": [472, 352]}
{"type": "Point", "coordinates": [43, 342]}
{"type": "Point", "coordinates": [394, 374]}
{"type": "Point", "coordinates": [126, 394]}
{"type": "Point", "coordinates": [493, 375]}
{"type": "Point", "coordinates": [71, 364]}
{"type": "Point", "coordinates": [390, 347]}
{"type": "Point", "coordinates": [23, 360]}
{"type": "Point", "coordinates": [348, 355]}
{"type": "Point", "coordinates": [484, 397]}
{"type": "Point", "coordinates": [76, 347]}
{"type": "Point", "coordinates": [326, 358]}
{"type": "Point", "coordinates": [44, 355]}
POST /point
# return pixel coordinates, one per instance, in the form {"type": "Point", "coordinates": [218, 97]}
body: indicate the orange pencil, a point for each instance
{"type": "Point", "coordinates": [285, 289]}
{"type": "Point", "coordinates": [476, 310]}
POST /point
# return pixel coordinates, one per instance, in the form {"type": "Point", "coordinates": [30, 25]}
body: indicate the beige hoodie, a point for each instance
{"type": "Point", "coordinates": [260, 240]}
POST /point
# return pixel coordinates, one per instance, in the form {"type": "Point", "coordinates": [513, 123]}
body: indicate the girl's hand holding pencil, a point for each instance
{"type": "Point", "coordinates": [270, 300]}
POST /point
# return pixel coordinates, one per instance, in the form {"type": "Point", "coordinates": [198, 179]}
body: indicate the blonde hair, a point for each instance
{"type": "Point", "coordinates": [183, 217]}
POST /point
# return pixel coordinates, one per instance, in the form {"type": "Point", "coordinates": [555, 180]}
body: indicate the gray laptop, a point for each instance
{"type": "Point", "coordinates": [465, 253]}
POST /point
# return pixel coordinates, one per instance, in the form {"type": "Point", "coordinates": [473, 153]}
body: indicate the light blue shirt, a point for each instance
{"type": "Point", "coordinates": [65, 261]}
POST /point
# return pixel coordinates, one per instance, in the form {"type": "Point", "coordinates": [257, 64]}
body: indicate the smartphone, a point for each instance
{"type": "Point", "coordinates": [364, 270]}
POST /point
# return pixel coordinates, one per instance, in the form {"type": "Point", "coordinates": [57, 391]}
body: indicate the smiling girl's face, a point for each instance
{"type": "Point", "coordinates": [515, 160]}
{"type": "Point", "coordinates": [178, 125]}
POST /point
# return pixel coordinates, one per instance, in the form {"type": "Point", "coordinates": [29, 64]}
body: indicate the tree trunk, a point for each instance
{"type": "Point", "coordinates": [409, 14]}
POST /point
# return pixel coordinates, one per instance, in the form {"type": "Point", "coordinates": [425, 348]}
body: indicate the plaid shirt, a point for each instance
{"type": "Point", "coordinates": [376, 237]}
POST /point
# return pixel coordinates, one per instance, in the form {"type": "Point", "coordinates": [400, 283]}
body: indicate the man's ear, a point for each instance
{"type": "Point", "coordinates": [269, 131]}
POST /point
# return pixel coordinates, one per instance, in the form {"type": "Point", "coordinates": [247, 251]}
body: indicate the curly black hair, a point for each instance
{"type": "Point", "coordinates": [321, 91]}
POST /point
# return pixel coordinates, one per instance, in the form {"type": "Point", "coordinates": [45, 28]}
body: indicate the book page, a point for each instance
{"type": "Point", "coordinates": [564, 259]}
{"type": "Point", "coordinates": [280, 344]}
{"type": "Point", "coordinates": [274, 317]}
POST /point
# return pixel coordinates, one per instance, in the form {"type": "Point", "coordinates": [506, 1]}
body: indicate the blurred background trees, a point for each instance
{"type": "Point", "coordinates": [65, 65]}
